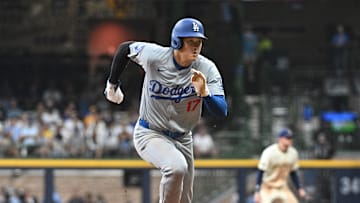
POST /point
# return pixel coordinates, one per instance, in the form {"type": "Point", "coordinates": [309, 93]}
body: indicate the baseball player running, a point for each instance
{"type": "Point", "coordinates": [177, 81]}
{"type": "Point", "coordinates": [277, 162]}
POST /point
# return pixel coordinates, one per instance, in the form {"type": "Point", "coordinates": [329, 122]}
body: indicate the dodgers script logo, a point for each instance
{"type": "Point", "coordinates": [161, 91]}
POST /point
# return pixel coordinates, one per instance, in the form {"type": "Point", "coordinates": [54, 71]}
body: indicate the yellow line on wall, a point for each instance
{"type": "Point", "coordinates": [71, 163]}
{"type": "Point", "coordinates": [201, 163]}
{"type": "Point", "coordinates": [330, 163]}
{"type": "Point", "coordinates": [252, 163]}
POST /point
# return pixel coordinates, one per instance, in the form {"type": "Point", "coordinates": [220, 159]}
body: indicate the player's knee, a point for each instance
{"type": "Point", "coordinates": [178, 169]}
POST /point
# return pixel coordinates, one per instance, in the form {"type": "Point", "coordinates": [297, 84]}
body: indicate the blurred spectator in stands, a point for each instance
{"type": "Point", "coordinates": [75, 197]}
{"type": "Point", "coordinates": [91, 116]}
{"type": "Point", "coordinates": [57, 147]}
{"type": "Point", "coordinates": [13, 110]}
{"type": "Point", "coordinates": [323, 149]}
{"type": "Point", "coordinates": [29, 139]}
{"type": "Point", "coordinates": [8, 195]}
{"type": "Point", "coordinates": [26, 196]}
{"type": "Point", "coordinates": [49, 114]}
{"type": "Point", "coordinates": [56, 197]}
{"type": "Point", "coordinates": [265, 61]}
{"type": "Point", "coordinates": [324, 141]}
{"type": "Point", "coordinates": [340, 42]}
{"type": "Point", "coordinates": [52, 96]}
{"type": "Point", "coordinates": [204, 146]}
{"type": "Point", "coordinates": [265, 48]}
{"type": "Point", "coordinates": [126, 144]}
{"type": "Point", "coordinates": [279, 73]}
{"type": "Point", "coordinates": [96, 134]}
{"type": "Point", "coordinates": [308, 123]}
{"type": "Point", "coordinates": [73, 134]}
{"type": "Point", "coordinates": [13, 127]}
{"type": "Point", "coordinates": [69, 109]}
{"type": "Point", "coordinates": [112, 141]}
{"type": "Point", "coordinates": [8, 148]}
{"type": "Point", "coordinates": [126, 141]}
{"type": "Point", "coordinates": [46, 136]}
{"type": "Point", "coordinates": [250, 51]}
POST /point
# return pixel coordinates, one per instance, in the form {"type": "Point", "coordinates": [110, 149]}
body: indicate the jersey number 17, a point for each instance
{"type": "Point", "coordinates": [191, 106]}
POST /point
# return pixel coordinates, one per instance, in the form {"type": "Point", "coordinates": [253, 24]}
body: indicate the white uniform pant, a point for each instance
{"type": "Point", "coordinates": [277, 195]}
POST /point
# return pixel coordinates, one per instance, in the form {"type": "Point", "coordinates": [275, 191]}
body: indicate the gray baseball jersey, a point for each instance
{"type": "Point", "coordinates": [168, 100]}
{"type": "Point", "coordinates": [169, 103]}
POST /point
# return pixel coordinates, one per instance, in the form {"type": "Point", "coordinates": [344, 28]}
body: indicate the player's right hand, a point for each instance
{"type": "Point", "coordinates": [113, 93]}
{"type": "Point", "coordinates": [257, 197]}
{"type": "Point", "coordinates": [198, 80]}
{"type": "Point", "coordinates": [303, 194]}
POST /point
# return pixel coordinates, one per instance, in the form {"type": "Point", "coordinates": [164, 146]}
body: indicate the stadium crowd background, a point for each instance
{"type": "Point", "coordinates": [54, 56]}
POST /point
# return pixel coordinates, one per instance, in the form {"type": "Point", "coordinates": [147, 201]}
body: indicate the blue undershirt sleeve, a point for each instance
{"type": "Point", "coordinates": [295, 178]}
{"type": "Point", "coordinates": [216, 105]}
{"type": "Point", "coordinates": [259, 180]}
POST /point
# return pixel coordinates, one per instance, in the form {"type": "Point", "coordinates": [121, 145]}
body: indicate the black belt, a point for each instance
{"type": "Point", "coordinates": [168, 133]}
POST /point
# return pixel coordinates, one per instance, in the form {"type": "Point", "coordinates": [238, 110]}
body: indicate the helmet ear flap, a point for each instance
{"type": "Point", "coordinates": [176, 42]}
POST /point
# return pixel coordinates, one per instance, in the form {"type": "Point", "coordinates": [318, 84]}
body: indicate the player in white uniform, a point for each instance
{"type": "Point", "coordinates": [277, 162]}
{"type": "Point", "coordinates": [178, 80]}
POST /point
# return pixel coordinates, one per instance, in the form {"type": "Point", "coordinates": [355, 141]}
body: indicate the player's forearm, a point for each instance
{"type": "Point", "coordinates": [216, 104]}
{"type": "Point", "coordinates": [119, 62]}
{"type": "Point", "coordinates": [259, 177]}
{"type": "Point", "coordinates": [295, 178]}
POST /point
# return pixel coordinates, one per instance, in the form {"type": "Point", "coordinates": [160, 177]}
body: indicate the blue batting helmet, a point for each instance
{"type": "Point", "coordinates": [186, 27]}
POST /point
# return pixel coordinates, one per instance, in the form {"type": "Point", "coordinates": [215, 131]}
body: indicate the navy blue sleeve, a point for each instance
{"type": "Point", "coordinates": [295, 178]}
{"type": "Point", "coordinates": [216, 105]}
{"type": "Point", "coordinates": [259, 180]}
{"type": "Point", "coordinates": [119, 62]}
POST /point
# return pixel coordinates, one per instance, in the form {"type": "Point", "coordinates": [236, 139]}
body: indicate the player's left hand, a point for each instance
{"type": "Point", "coordinates": [198, 79]}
